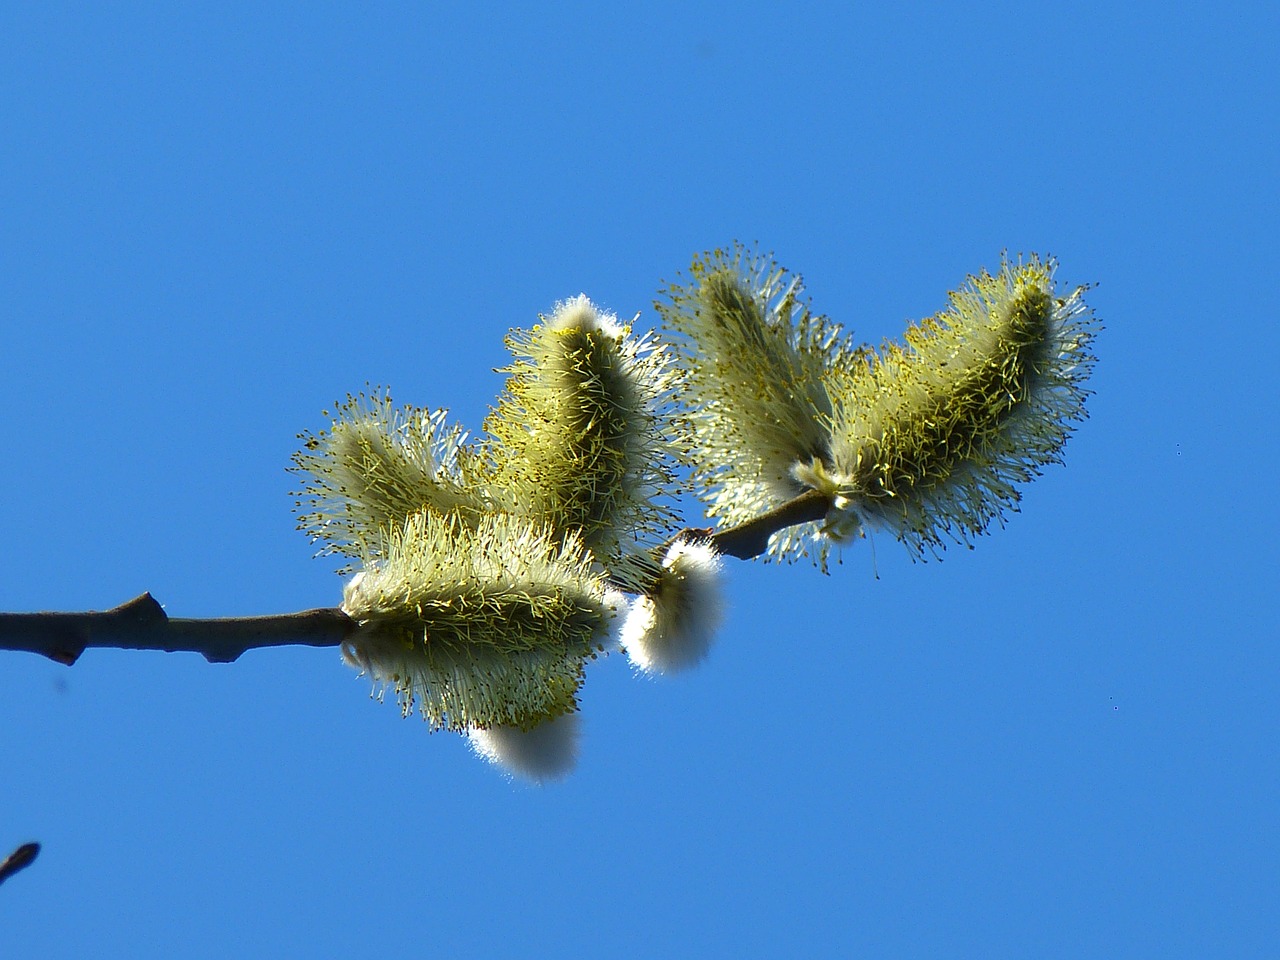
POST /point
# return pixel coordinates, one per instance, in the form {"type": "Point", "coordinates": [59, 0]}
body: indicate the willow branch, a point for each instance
{"type": "Point", "coordinates": [142, 624]}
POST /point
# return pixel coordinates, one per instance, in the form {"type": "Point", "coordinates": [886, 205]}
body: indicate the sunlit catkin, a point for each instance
{"type": "Point", "coordinates": [479, 626]}
{"type": "Point", "coordinates": [374, 466]}
{"type": "Point", "coordinates": [931, 438]}
{"type": "Point", "coordinates": [756, 360]}
{"type": "Point", "coordinates": [582, 440]}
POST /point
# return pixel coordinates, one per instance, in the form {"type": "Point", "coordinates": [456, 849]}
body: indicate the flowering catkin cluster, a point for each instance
{"type": "Point", "coordinates": [487, 573]}
{"type": "Point", "coordinates": [926, 439]}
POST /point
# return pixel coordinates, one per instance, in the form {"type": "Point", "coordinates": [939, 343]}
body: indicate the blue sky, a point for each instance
{"type": "Point", "coordinates": [216, 220]}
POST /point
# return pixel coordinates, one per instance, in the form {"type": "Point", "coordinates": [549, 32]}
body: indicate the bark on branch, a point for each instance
{"type": "Point", "coordinates": [142, 624]}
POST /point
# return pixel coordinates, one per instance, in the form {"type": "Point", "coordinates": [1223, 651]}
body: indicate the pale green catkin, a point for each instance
{"type": "Point", "coordinates": [755, 359]}
{"type": "Point", "coordinates": [479, 625]}
{"type": "Point", "coordinates": [930, 438]}
{"type": "Point", "coordinates": [376, 465]}
{"type": "Point", "coordinates": [582, 439]}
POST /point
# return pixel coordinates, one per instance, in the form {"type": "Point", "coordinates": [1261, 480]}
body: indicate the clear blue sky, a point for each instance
{"type": "Point", "coordinates": [214, 222]}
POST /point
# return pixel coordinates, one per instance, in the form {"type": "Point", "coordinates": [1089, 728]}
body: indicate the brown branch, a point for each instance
{"type": "Point", "coordinates": [141, 624]}
{"type": "Point", "coordinates": [751, 539]}
{"type": "Point", "coordinates": [20, 858]}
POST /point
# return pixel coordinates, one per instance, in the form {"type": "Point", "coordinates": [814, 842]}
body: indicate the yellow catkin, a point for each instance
{"type": "Point", "coordinates": [479, 625]}
{"type": "Point", "coordinates": [581, 436]}
{"type": "Point", "coordinates": [931, 438]}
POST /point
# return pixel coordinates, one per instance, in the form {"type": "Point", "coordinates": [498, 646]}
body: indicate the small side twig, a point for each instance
{"type": "Point", "coordinates": [18, 860]}
{"type": "Point", "coordinates": [750, 539]}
